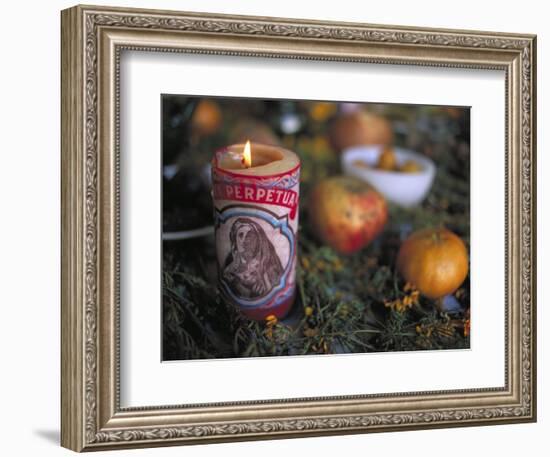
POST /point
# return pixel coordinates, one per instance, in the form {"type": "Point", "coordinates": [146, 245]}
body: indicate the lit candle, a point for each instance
{"type": "Point", "coordinates": [255, 192]}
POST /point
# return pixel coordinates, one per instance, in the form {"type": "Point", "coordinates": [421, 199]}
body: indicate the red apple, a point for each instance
{"type": "Point", "coordinates": [346, 213]}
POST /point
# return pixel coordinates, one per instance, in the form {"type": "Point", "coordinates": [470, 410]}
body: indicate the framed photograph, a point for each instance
{"type": "Point", "coordinates": [276, 228]}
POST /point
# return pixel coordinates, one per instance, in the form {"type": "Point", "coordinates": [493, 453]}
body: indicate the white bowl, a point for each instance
{"type": "Point", "coordinates": [404, 189]}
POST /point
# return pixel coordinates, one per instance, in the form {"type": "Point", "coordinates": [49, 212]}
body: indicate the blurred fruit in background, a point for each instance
{"type": "Point", "coordinates": [256, 131]}
{"type": "Point", "coordinates": [322, 111]}
{"type": "Point", "coordinates": [346, 213]}
{"type": "Point", "coordinates": [207, 117]}
{"type": "Point", "coordinates": [359, 128]}
{"type": "Point", "coordinates": [453, 111]}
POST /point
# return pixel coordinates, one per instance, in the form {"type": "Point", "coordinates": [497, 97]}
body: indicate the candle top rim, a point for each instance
{"type": "Point", "coordinates": [287, 162]}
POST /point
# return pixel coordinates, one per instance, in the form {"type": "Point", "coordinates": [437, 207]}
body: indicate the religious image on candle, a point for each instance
{"type": "Point", "coordinates": [310, 228]}
{"type": "Point", "coordinates": [256, 194]}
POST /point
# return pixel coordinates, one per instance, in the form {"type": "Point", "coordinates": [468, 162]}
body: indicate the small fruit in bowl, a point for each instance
{"type": "Point", "coordinates": [346, 213]}
{"type": "Point", "coordinates": [387, 160]}
{"type": "Point", "coordinates": [434, 260]}
{"type": "Point", "coordinates": [410, 166]}
{"type": "Point", "coordinates": [361, 164]}
{"type": "Point", "coordinates": [403, 187]}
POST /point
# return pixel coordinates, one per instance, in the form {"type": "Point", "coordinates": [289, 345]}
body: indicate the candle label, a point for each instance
{"type": "Point", "coordinates": [256, 219]}
{"type": "Point", "coordinates": [260, 194]}
{"type": "Point", "coordinates": [256, 250]}
{"type": "Point", "coordinates": [280, 190]}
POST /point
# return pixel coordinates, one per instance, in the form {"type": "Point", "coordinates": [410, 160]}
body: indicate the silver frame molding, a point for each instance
{"type": "Point", "coordinates": [93, 39]}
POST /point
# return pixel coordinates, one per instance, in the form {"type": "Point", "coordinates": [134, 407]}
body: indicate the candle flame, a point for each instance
{"type": "Point", "coordinates": [247, 155]}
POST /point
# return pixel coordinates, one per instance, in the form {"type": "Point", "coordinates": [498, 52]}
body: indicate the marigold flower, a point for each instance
{"type": "Point", "coordinates": [400, 304]}
{"type": "Point", "coordinates": [396, 305]}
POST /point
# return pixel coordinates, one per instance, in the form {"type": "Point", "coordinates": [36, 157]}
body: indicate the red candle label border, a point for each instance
{"type": "Point", "coordinates": [265, 190]}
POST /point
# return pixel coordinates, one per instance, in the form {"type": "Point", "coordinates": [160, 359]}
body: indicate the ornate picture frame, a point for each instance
{"type": "Point", "coordinates": [93, 39]}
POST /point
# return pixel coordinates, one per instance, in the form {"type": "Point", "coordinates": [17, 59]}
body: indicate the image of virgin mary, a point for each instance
{"type": "Point", "coordinates": [252, 268]}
